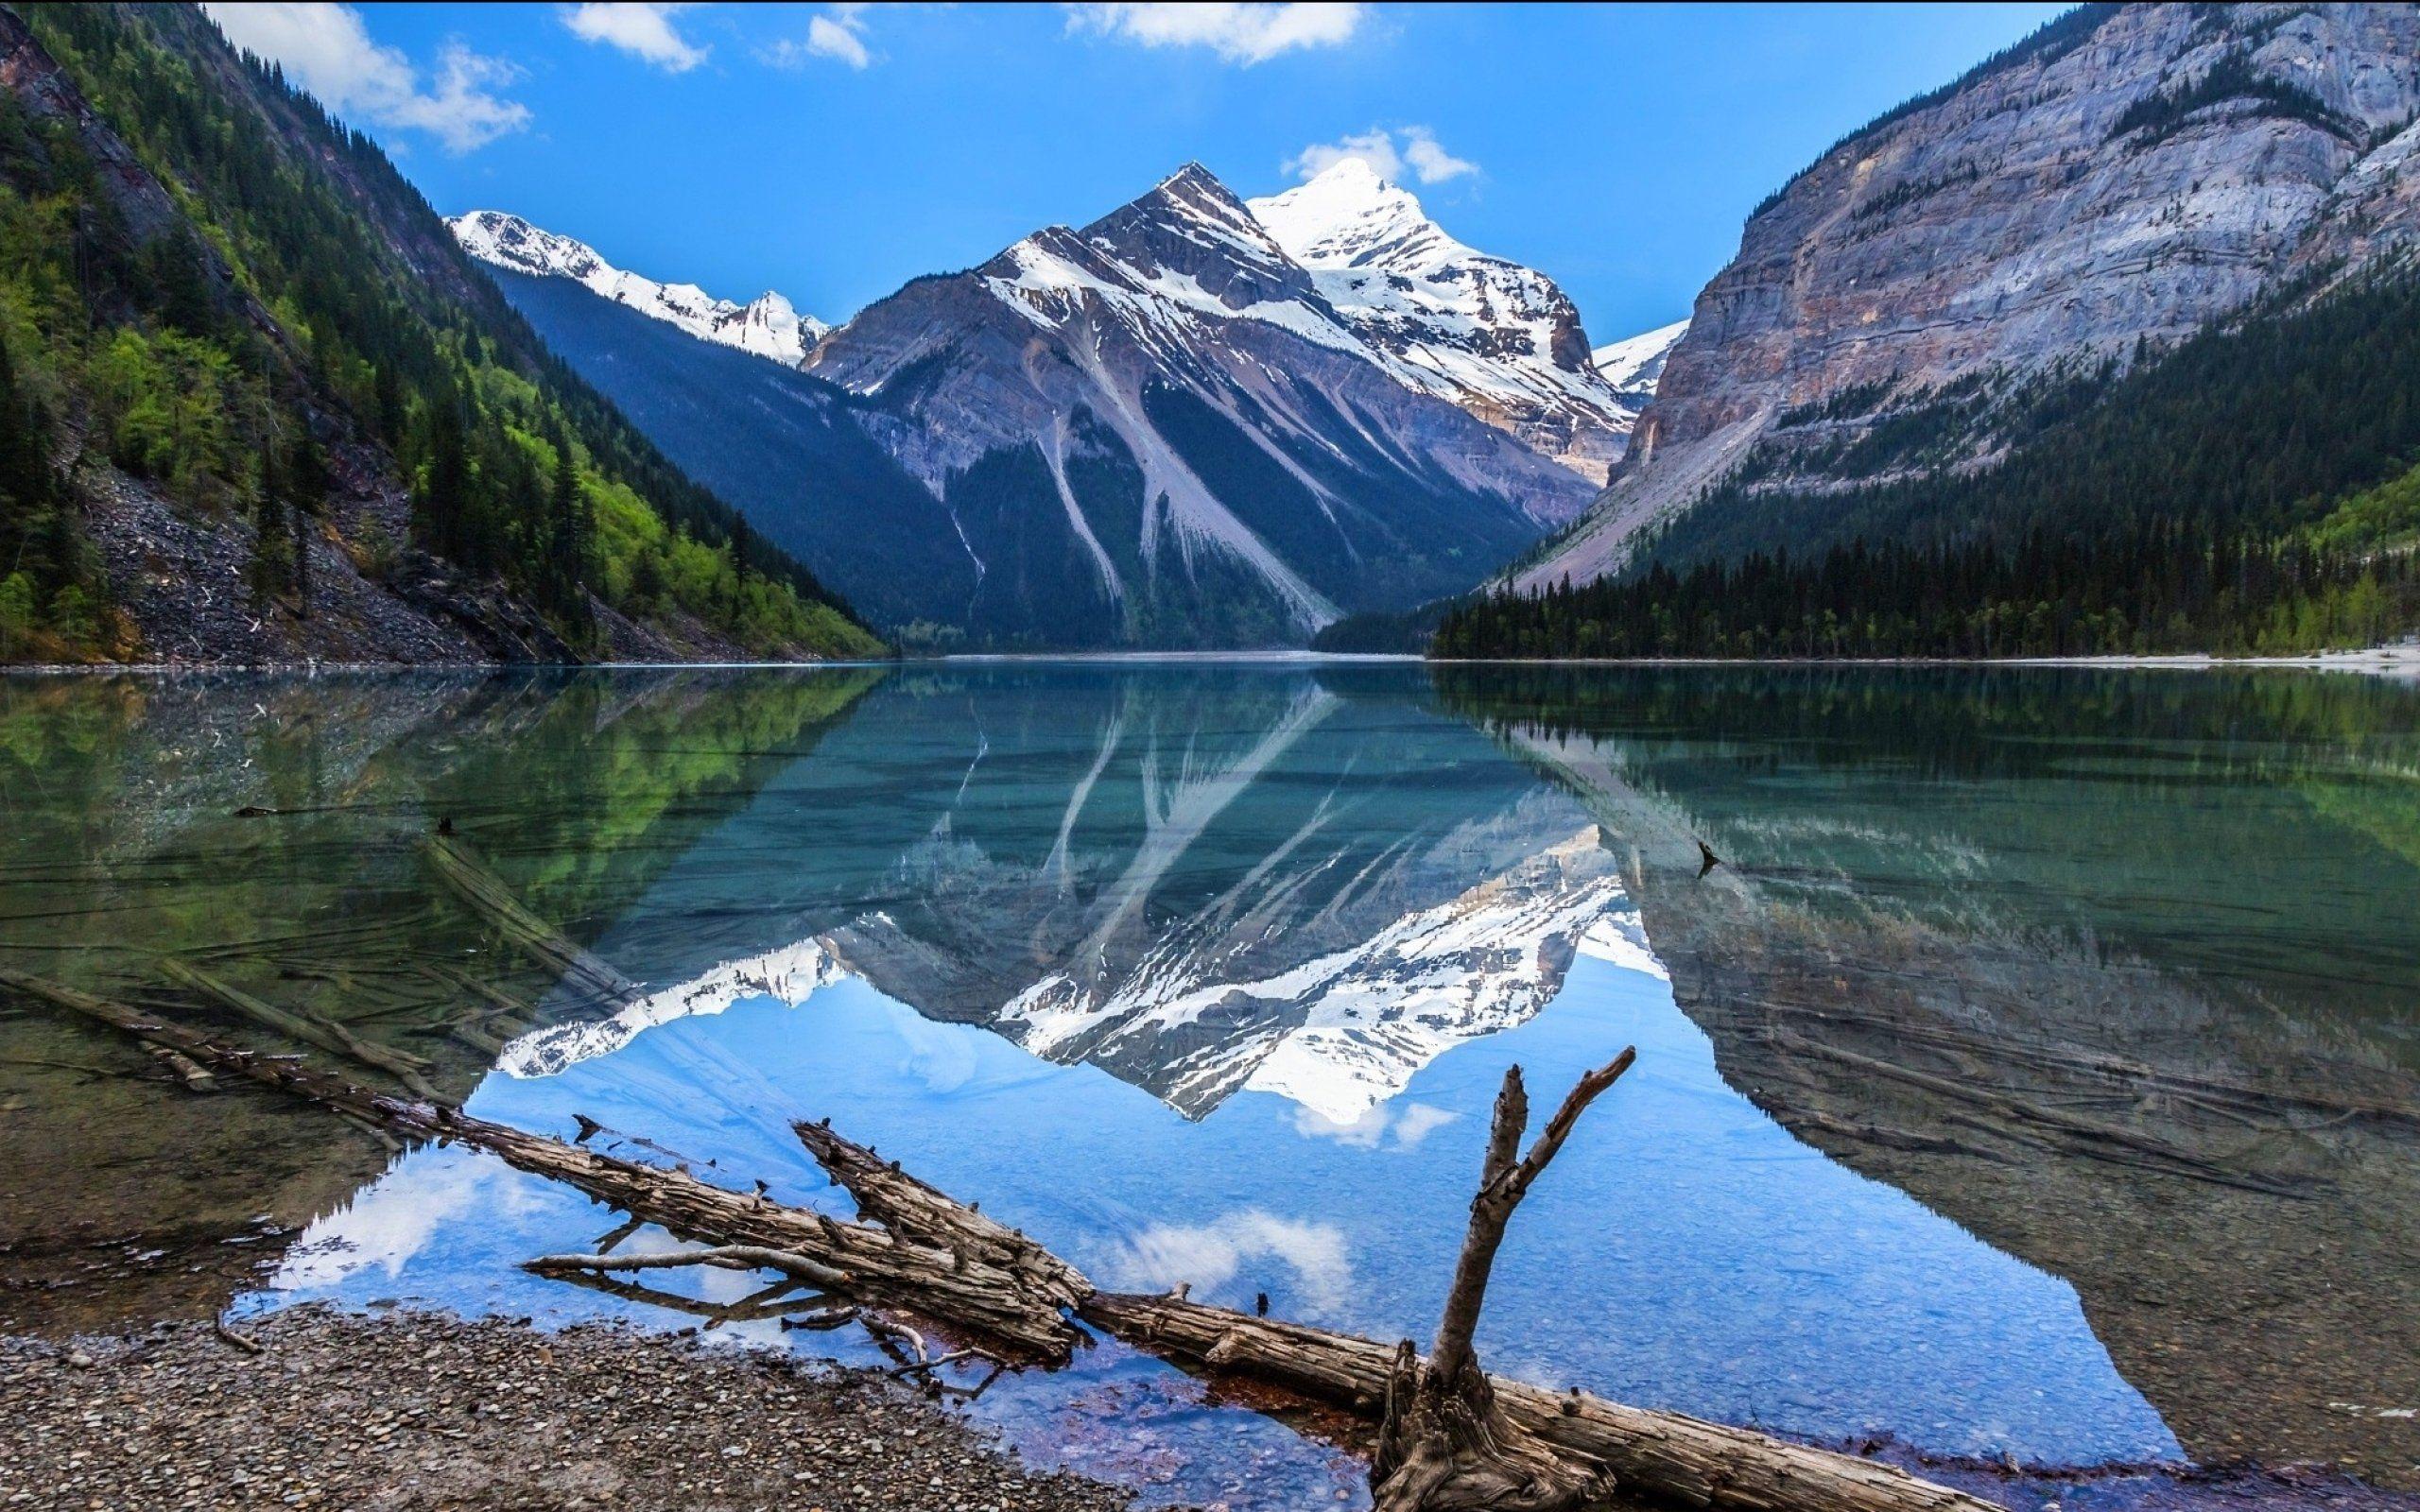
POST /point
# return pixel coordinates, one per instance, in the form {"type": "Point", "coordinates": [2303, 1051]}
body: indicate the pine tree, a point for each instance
{"type": "Point", "coordinates": [272, 559]}
{"type": "Point", "coordinates": [307, 486]}
{"type": "Point", "coordinates": [444, 502]}
{"type": "Point", "coordinates": [569, 525]}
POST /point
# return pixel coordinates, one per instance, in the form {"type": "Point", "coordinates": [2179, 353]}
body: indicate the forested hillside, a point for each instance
{"type": "Point", "coordinates": [2252, 491]}
{"type": "Point", "coordinates": [236, 344]}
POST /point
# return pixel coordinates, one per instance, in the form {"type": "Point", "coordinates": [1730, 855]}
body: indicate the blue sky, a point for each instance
{"type": "Point", "coordinates": [835, 151]}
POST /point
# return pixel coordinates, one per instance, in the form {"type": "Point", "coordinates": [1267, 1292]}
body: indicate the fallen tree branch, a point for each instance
{"type": "Point", "coordinates": [541, 942]}
{"type": "Point", "coordinates": [974, 1274]}
{"type": "Point", "coordinates": [308, 1027]}
{"type": "Point", "coordinates": [723, 1257]}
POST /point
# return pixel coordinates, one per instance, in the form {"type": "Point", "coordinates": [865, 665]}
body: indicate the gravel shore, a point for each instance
{"type": "Point", "coordinates": [419, 1410]}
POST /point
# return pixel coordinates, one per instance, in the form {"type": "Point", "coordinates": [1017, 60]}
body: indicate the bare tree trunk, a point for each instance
{"type": "Point", "coordinates": [1444, 1443]}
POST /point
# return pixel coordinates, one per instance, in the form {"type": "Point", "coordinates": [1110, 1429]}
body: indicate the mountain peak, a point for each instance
{"type": "Point", "coordinates": [1351, 172]}
{"type": "Point", "coordinates": [1497, 338]}
{"type": "Point", "coordinates": [1193, 174]}
{"type": "Point", "coordinates": [768, 326]}
{"type": "Point", "coordinates": [1348, 215]}
{"type": "Point", "coordinates": [1194, 193]}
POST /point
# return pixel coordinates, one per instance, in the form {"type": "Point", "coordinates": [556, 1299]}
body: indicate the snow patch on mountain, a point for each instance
{"type": "Point", "coordinates": [1347, 1030]}
{"type": "Point", "coordinates": [789, 973]}
{"type": "Point", "coordinates": [1634, 365]}
{"type": "Point", "coordinates": [1498, 339]}
{"type": "Point", "coordinates": [768, 326]}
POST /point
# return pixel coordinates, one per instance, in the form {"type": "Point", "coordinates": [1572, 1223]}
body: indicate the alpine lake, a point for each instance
{"type": "Point", "coordinates": [2035, 1076]}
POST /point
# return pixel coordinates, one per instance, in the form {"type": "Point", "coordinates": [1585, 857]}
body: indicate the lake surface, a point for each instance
{"type": "Point", "coordinates": [2036, 1077]}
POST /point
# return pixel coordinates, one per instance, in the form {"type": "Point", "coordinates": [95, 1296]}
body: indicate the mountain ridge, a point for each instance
{"type": "Point", "coordinates": [1153, 430]}
{"type": "Point", "coordinates": [767, 326]}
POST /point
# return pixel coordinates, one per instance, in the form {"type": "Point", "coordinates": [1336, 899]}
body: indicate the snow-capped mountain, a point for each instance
{"type": "Point", "coordinates": [1635, 364]}
{"type": "Point", "coordinates": [1158, 429]}
{"type": "Point", "coordinates": [1346, 1030]}
{"type": "Point", "coordinates": [1489, 334]}
{"type": "Point", "coordinates": [767, 325]}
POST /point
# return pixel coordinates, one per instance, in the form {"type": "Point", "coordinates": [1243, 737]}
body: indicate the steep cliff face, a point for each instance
{"type": "Point", "coordinates": [2118, 181]}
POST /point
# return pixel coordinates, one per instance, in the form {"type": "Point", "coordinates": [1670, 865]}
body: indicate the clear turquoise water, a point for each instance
{"type": "Point", "coordinates": [1208, 973]}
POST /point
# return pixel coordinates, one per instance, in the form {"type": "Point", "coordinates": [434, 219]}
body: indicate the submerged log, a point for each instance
{"type": "Point", "coordinates": [549, 947]}
{"type": "Point", "coordinates": [308, 1027]}
{"type": "Point", "coordinates": [972, 1273]}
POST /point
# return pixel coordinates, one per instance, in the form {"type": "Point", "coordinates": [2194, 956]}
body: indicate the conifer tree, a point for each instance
{"type": "Point", "coordinates": [273, 556]}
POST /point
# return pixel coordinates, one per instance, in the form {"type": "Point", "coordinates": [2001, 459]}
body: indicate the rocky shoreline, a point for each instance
{"type": "Point", "coordinates": [316, 1408]}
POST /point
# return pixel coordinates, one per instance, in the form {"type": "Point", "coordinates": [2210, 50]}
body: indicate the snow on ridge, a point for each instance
{"type": "Point", "coordinates": [1366, 1019]}
{"type": "Point", "coordinates": [1475, 330]}
{"type": "Point", "coordinates": [767, 326]}
{"type": "Point", "coordinates": [790, 973]}
{"type": "Point", "coordinates": [1633, 364]}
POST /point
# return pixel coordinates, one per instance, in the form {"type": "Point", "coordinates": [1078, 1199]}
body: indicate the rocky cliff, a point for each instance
{"type": "Point", "coordinates": [2121, 179]}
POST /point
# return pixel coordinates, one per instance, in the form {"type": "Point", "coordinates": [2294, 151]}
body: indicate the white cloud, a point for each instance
{"type": "Point", "coordinates": [1415, 1123]}
{"type": "Point", "coordinates": [838, 33]}
{"type": "Point", "coordinates": [1433, 164]}
{"type": "Point", "coordinates": [1207, 1256]}
{"type": "Point", "coordinates": [326, 48]}
{"type": "Point", "coordinates": [1240, 33]}
{"type": "Point", "coordinates": [644, 31]}
{"type": "Point", "coordinates": [1411, 152]}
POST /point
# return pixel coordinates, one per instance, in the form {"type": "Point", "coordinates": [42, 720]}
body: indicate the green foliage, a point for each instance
{"type": "Point", "coordinates": [390, 338]}
{"type": "Point", "coordinates": [2385, 517]}
{"type": "Point", "coordinates": [2166, 587]}
{"type": "Point", "coordinates": [2164, 112]}
{"type": "Point", "coordinates": [169, 404]}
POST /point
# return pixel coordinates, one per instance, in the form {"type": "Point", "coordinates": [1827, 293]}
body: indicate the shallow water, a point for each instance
{"type": "Point", "coordinates": [2033, 1077]}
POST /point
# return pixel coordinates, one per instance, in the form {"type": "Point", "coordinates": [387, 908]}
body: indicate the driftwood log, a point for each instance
{"type": "Point", "coordinates": [919, 1252]}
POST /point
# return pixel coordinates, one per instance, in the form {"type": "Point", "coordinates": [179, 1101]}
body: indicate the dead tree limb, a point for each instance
{"type": "Point", "coordinates": [310, 1029]}
{"type": "Point", "coordinates": [1662, 1458]}
{"type": "Point", "coordinates": [1444, 1444]}
{"type": "Point", "coordinates": [487, 895]}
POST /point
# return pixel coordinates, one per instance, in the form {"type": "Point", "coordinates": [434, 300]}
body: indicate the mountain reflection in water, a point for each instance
{"type": "Point", "coordinates": [2027, 1082]}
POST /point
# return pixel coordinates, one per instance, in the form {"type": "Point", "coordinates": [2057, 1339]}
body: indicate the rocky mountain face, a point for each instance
{"type": "Point", "coordinates": [2118, 181]}
{"type": "Point", "coordinates": [767, 325]}
{"type": "Point", "coordinates": [1158, 429]}
{"type": "Point", "coordinates": [1490, 335]}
